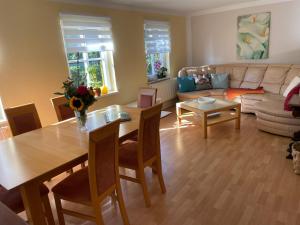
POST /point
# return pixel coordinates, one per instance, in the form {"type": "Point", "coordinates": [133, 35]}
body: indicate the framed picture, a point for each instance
{"type": "Point", "coordinates": [253, 36]}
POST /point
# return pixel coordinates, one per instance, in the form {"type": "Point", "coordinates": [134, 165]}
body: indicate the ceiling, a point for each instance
{"type": "Point", "coordinates": [175, 6]}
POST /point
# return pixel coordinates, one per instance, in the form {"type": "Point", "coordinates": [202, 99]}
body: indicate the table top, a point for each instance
{"type": "Point", "coordinates": [217, 105]}
{"type": "Point", "coordinates": [31, 155]}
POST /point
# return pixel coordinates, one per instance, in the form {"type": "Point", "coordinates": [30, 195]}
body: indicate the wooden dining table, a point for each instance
{"type": "Point", "coordinates": [29, 159]}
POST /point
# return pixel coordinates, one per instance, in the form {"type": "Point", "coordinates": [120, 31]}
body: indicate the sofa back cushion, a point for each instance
{"type": "Point", "coordinates": [237, 76]}
{"type": "Point", "coordinates": [293, 72]}
{"type": "Point", "coordinates": [274, 78]}
{"type": "Point", "coordinates": [254, 76]}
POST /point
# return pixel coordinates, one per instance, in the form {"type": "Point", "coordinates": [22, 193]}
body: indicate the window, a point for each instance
{"type": "Point", "coordinates": [2, 114]}
{"type": "Point", "coordinates": [89, 50]}
{"type": "Point", "coordinates": [157, 46]}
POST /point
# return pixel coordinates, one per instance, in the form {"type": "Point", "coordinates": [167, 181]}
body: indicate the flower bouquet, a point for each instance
{"type": "Point", "coordinates": [79, 98]}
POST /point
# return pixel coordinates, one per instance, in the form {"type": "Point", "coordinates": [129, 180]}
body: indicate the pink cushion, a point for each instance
{"type": "Point", "coordinates": [294, 91]}
{"type": "Point", "coordinates": [146, 101]}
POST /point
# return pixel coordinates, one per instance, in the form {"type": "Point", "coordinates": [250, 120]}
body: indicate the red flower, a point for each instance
{"type": "Point", "coordinates": [82, 90]}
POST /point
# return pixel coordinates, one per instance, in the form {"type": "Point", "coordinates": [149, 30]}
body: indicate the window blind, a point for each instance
{"type": "Point", "coordinates": [86, 33]}
{"type": "Point", "coordinates": [157, 37]}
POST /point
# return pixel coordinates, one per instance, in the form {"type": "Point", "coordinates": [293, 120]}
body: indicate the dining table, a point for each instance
{"type": "Point", "coordinates": [34, 157]}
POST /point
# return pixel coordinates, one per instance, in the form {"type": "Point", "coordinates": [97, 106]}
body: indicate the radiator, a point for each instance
{"type": "Point", "coordinates": [166, 90]}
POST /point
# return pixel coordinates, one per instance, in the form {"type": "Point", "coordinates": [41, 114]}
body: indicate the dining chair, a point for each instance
{"type": "Point", "coordinates": [146, 97]}
{"type": "Point", "coordinates": [63, 112]}
{"type": "Point", "coordinates": [13, 200]}
{"type": "Point", "coordinates": [8, 217]}
{"type": "Point", "coordinates": [22, 119]}
{"type": "Point", "coordinates": [137, 155]}
{"type": "Point", "coordinates": [100, 179]}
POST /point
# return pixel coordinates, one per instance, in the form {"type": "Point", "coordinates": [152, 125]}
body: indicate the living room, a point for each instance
{"type": "Point", "coordinates": [220, 159]}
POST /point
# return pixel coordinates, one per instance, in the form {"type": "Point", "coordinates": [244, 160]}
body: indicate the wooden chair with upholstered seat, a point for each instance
{"type": "Point", "coordinates": [145, 152]}
{"type": "Point", "coordinates": [91, 185]}
{"type": "Point", "coordinates": [63, 112]}
{"type": "Point", "coordinates": [146, 97]}
{"type": "Point", "coordinates": [22, 119]}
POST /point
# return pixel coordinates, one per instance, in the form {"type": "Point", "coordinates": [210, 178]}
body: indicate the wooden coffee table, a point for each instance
{"type": "Point", "coordinates": [223, 107]}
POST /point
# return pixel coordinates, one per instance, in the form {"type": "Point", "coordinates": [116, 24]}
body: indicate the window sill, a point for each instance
{"type": "Point", "coordinates": [158, 80]}
{"type": "Point", "coordinates": [108, 94]}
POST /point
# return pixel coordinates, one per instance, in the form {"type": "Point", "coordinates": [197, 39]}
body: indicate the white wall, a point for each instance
{"type": "Point", "coordinates": [214, 35]}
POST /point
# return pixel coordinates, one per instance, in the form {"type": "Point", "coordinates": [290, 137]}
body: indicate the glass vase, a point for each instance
{"type": "Point", "coordinates": [81, 117]}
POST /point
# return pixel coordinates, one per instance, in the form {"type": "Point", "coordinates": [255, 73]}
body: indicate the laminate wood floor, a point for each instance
{"type": "Point", "coordinates": [232, 178]}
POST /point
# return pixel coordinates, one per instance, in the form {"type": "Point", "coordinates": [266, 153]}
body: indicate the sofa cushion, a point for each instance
{"type": "Point", "coordinates": [219, 80]}
{"type": "Point", "coordinates": [216, 92]}
{"type": "Point", "coordinates": [186, 84]}
{"type": "Point", "coordinates": [293, 72]}
{"type": "Point", "coordinates": [237, 76]}
{"type": "Point", "coordinates": [253, 77]}
{"type": "Point", "coordinates": [274, 108]}
{"type": "Point", "coordinates": [192, 95]}
{"type": "Point", "coordinates": [274, 78]}
{"type": "Point", "coordinates": [263, 97]}
{"type": "Point", "coordinates": [224, 69]}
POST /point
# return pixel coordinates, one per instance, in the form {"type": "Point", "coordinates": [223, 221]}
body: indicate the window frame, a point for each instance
{"type": "Point", "coordinates": [166, 62]}
{"type": "Point", "coordinates": [108, 76]}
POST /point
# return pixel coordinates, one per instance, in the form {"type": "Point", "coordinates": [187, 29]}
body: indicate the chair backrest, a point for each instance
{"type": "Point", "coordinates": [63, 112]}
{"type": "Point", "coordinates": [103, 159]}
{"type": "Point", "coordinates": [146, 97]}
{"type": "Point", "coordinates": [23, 119]}
{"type": "Point", "coordinates": [149, 139]}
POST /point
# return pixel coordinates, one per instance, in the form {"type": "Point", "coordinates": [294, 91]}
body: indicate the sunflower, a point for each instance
{"type": "Point", "coordinates": [76, 104]}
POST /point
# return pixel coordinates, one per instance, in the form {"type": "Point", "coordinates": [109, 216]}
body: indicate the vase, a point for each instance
{"type": "Point", "coordinates": [81, 117]}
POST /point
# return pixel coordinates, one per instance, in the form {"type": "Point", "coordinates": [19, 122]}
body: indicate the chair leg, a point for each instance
{"type": "Point", "coordinates": [98, 215]}
{"type": "Point", "coordinates": [160, 176]}
{"type": "Point", "coordinates": [60, 215]}
{"type": "Point", "coordinates": [121, 203]}
{"type": "Point", "coordinates": [144, 187]}
{"type": "Point", "coordinates": [48, 211]}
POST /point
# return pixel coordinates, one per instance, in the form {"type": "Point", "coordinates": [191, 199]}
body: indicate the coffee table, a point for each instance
{"type": "Point", "coordinates": [228, 110]}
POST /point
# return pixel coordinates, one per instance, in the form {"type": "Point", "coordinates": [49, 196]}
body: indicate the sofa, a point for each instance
{"type": "Point", "coordinates": [269, 106]}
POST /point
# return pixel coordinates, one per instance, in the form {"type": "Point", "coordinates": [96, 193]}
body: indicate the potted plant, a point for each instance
{"type": "Point", "coordinates": [162, 73]}
{"type": "Point", "coordinates": [95, 83]}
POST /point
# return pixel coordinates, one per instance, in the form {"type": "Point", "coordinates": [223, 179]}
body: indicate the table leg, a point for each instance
{"type": "Point", "coordinates": [33, 203]}
{"type": "Point", "coordinates": [178, 113]}
{"type": "Point", "coordinates": [238, 119]}
{"type": "Point", "coordinates": [204, 124]}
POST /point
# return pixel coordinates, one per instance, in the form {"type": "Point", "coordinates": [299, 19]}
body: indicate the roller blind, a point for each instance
{"type": "Point", "coordinates": [86, 33]}
{"type": "Point", "coordinates": [157, 37]}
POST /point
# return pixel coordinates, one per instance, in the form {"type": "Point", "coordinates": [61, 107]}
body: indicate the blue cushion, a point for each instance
{"type": "Point", "coordinates": [186, 84]}
{"type": "Point", "coordinates": [220, 80]}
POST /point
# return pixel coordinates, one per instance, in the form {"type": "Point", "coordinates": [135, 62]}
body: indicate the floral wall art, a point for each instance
{"type": "Point", "coordinates": [254, 36]}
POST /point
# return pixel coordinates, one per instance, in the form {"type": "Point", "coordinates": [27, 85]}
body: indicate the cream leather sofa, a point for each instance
{"type": "Point", "coordinates": [268, 107]}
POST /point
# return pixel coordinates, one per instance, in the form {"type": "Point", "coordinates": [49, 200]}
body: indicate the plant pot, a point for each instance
{"type": "Point", "coordinates": [97, 92]}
